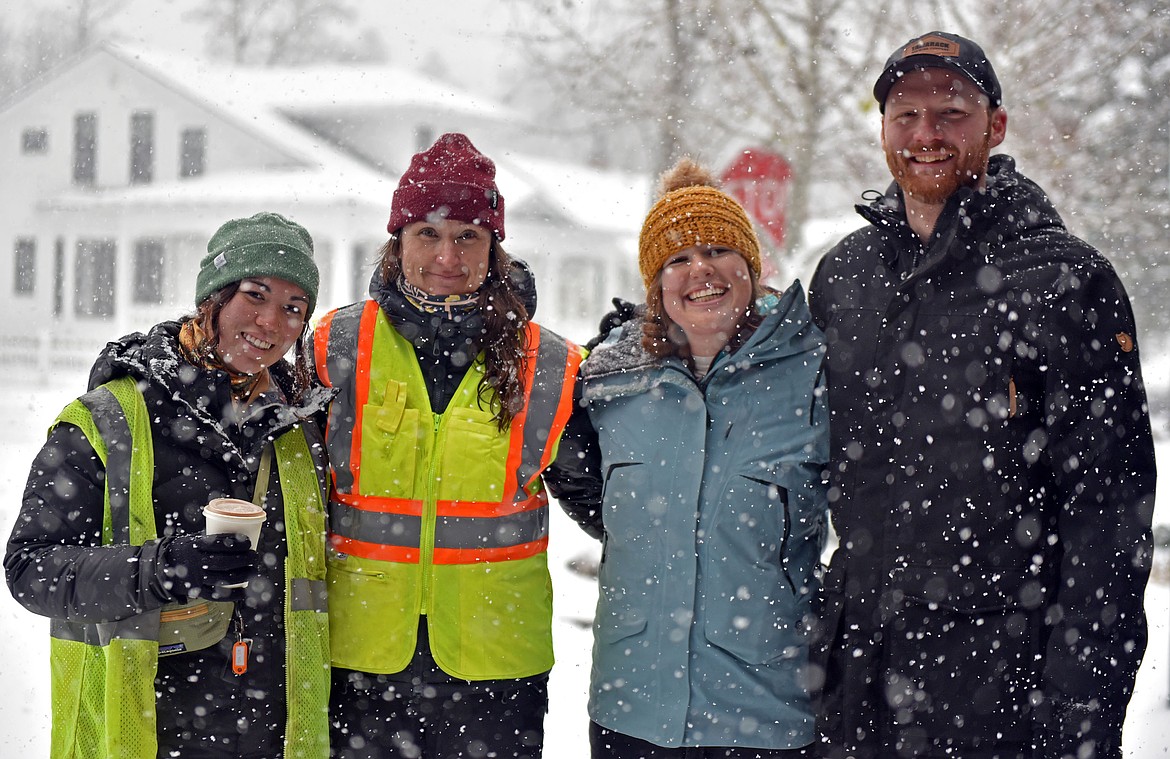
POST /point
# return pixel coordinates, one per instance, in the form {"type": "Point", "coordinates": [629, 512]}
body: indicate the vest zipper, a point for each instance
{"type": "Point", "coordinates": [426, 556]}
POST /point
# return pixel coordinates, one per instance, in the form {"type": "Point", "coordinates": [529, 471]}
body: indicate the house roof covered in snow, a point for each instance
{"type": "Point", "coordinates": [322, 87]}
{"type": "Point", "coordinates": [265, 101]}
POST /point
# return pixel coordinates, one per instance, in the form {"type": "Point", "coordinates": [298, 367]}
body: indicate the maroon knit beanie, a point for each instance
{"type": "Point", "coordinates": [453, 178]}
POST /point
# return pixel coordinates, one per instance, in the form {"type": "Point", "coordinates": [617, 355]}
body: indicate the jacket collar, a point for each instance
{"type": "Point", "coordinates": [1016, 204]}
{"type": "Point", "coordinates": [620, 366]}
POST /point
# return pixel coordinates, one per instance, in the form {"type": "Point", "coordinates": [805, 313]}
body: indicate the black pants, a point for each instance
{"type": "Point", "coordinates": [374, 717]}
{"type": "Point", "coordinates": [606, 744]}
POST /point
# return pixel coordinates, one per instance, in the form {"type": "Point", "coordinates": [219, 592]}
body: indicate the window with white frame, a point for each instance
{"type": "Point", "coordinates": [149, 271]}
{"type": "Point", "coordinates": [34, 141]}
{"type": "Point", "coordinates": [85, 149]}
{"type": "Point", "coordinates": [58, 277]}
{"type": "Point", "coordinates": [93, 269]}
{"type": "Point", "coordinates": [24, 275]}
{"type": "Point", "coordinates": [141, 147]}
{"type": "Point", "coordinates": [363, 261]}
{"type": "Point", "coordinates": [193, 152]}
{"type": "Point", "coordinates": [424, 137]}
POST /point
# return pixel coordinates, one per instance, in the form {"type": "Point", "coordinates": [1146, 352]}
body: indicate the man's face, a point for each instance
{"type": "Point", "coordinates": [937, 133]}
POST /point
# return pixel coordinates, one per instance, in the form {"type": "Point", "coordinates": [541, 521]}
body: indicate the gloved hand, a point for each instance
{"type": "Point", "coordinates": [198, 566]}
{"type": "Point", "coordinates": [524, 283]}
{"type": "Point", "coordinates": [623, 311]}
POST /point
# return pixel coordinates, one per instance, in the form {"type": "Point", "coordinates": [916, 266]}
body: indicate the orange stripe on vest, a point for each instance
{"type": "Point", "coordinates": [405, 555]}
{"type": "Point", "coordinates": [414, 506]}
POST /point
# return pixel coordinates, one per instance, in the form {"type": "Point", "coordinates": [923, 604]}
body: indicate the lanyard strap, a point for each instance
{"type": "Point", "coordinates": [262, 473]}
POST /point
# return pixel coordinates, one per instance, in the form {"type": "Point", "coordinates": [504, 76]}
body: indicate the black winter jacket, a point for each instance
{"type": "Point", "coordinates": [202, 451]}
{"type": "Point", "coordinates": [992, 475]}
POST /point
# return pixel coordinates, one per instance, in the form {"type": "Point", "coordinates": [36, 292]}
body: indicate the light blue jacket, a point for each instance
{"type": "Point", "coordinates": [714, 512]}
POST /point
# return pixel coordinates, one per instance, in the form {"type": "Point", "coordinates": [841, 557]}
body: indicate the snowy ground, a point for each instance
{"type": "Point", "coordinates": [24, 669]}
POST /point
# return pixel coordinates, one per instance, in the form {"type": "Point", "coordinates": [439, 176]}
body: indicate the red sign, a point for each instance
{"type": "Point", "coordinates": [759, 179]}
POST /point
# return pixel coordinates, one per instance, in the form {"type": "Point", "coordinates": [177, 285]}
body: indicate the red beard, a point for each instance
{"type": "Point", "coordinates": [933, 190]}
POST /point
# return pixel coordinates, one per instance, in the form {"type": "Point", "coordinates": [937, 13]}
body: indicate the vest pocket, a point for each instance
{"type": "Point", "coordinates": [474, 457]}
{"type": "Point", "coordinates": [373, 613]}
{"type": "Point", "coordinates": [492, 620]}
{"type": "Point", "coordinates": [390, 441]}
{"type": "Point", "coordinates": [618, 624]}
{"type": "Point", "coordinates": [759, 625]}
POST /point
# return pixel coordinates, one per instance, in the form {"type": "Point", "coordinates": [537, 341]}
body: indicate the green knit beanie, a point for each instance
{"type": "Point", "coordinates": [264, 245]}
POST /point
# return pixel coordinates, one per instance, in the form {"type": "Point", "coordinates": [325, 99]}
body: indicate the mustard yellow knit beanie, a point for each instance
{"type": "Point", "coordinates": [693, 211]}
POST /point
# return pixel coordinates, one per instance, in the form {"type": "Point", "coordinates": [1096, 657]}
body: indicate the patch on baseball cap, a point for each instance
{"type": "Point", "coordinates": [940, 50]}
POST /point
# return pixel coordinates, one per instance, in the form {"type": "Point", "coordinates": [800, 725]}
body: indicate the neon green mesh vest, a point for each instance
{"type": "Point", "coordinates": [103, 675]}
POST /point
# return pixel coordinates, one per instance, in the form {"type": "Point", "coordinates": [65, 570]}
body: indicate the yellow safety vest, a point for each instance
{"type": "Point", "coordinates": [440, 515]}
{"type": "Point", "coordinates": [103, 675]}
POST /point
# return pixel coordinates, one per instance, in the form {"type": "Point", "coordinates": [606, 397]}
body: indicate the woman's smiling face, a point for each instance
{"type": "Point", "coordinates": [706, 291]}
{"type": "Point", "coordinates": [260, 323]}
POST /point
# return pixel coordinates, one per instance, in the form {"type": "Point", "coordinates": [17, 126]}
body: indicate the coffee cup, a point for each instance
{"type": "Point", "coordinates": [234, 515]}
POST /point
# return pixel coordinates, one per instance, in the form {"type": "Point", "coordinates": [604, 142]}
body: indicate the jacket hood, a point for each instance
{"type": "Point", "coordinates": [154, 358]}
{"type": "Point", "coordinates": [620, 366]}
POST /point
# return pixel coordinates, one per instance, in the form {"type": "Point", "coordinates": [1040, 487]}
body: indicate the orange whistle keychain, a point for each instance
{"type": "Point", "coordinates": [240, 651]}
{"type": "Point", "coordinates": [242, 646]}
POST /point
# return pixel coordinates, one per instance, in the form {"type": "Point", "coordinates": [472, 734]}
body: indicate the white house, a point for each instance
{"type": "Point", "coordinates": [120, 164]}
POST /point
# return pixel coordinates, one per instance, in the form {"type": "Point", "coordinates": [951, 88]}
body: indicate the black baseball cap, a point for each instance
{"type": "Point", "coordinates": [940, 50]}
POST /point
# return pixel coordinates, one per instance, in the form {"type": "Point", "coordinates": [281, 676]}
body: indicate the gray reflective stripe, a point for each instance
{"type": "Point", "coordinates": [143, 626]}
{"type": "Point", "coordinates": [63, 629]}
{"type": "Point", "coordinates": [547, 385]}
{"type": "Point", "coordinates": [450, 532]}
{"type": "Point", "coordinates": [375, 526]}
{"type": "Point", "coordinates": [111, 422]}
{"type": "Point", "coordinates": [341, 353]}
{"type": "Point", "coordinates": [511, 530]}
{"type": "Point", "coordinates": [307, 595]}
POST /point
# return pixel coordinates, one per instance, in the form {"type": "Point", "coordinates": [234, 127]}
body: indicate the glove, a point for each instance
{"type": "Point", "coordinates": [198, 566]}
{"type": "Point", "coordinates": [523, 282]}
{"type": "Point", "coordinates": [622, 312]}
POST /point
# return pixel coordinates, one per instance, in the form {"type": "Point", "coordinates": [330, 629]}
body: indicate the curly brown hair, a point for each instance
{"type": "Point", "coordinates": [505, 339]}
